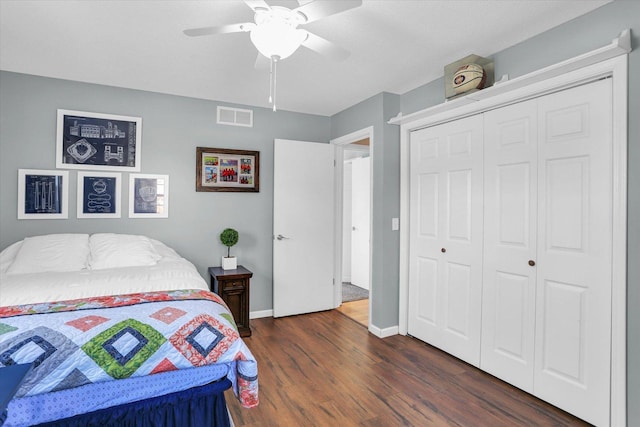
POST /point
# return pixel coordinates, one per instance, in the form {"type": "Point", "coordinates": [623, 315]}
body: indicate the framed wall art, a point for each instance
{"type": "Point", "coordinates": [220, 169]}
{"type": "Point", "coordinates": [148, 196]}
{"type": "Point", "coordinates": [98, 141]}
{"type": "Point", "coordinates": [99, 195]}
{"type": "Point", "coordinates": [43, 194]}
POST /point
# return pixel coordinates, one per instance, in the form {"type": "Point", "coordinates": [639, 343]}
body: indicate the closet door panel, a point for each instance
{"type": "Point", "coordinates": [573, 320]}
{"type": "Point", "coordinates": [445, 273]}
{"type": "Point", "coordinates": [427, 174]}
{"type": "Point", "coordinates": [428, 205]}
{"type": "Point", "coordinates": [426, 292]}
{"type": "Point", "coordinates": [458, 300]}
{"type": "Point", "coordinates": [508, 307]}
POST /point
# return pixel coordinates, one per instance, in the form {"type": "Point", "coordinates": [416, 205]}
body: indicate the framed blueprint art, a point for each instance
{"type": "Point", "coordinates": [148, 196]}
{"type": "Point", "coordinates": [43, 194]}
{"type": "Point", "coordinates": [98, 141]}
{"type": "Point", "coordinates": [99, 195]}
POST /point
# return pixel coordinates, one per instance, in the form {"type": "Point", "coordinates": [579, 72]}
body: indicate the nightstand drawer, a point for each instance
{"type": "Point", "coordinates": [233, 285]}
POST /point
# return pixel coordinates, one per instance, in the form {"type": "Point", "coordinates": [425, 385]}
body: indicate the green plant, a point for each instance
{"type": "Point", "coordinates": [229, 237]}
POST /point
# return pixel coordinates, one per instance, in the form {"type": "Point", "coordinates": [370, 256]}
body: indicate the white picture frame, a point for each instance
{"type": "Point", "coordinates": [148, 196]}
{"type": "Point", "coordinates": [99, 195]}
{"type": "Point", "coordinates": [43, 194]}
{"type": "Point", "coordinates": [98, 141]}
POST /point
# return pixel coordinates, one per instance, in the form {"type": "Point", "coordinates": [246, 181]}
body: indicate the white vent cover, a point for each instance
{"type": "Point", "coordinates": [235, 117]}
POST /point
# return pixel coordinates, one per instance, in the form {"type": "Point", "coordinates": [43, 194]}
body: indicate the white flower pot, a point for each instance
{"type": "Point", "coordinates": [229, 263]}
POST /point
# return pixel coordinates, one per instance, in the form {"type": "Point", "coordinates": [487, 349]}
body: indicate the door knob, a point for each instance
{"type": "Point", "coordinates": [532, 262]}
{"type": "Point", "coordinates": [281, 237]}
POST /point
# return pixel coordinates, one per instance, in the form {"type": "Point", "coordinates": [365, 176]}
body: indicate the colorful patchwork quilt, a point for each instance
{"type": "Point", "coordinates": [78, 342]}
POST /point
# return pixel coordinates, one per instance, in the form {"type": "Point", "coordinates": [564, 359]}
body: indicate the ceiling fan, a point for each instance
{"type": "Point", "coordinates": [276, 35]}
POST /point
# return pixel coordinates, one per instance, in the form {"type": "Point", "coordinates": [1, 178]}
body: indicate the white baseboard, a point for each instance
{"type": "Point", "coordinates": [260, 314]}
{"type": "Point", "coordinates": [383, 333]}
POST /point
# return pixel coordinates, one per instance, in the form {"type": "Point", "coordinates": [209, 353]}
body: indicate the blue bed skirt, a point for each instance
{"type": "Point", "coordinates": [196, 407]}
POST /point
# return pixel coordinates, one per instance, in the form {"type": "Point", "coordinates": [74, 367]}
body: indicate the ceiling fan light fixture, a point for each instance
{"type": "Point", "coordinates": [277, 39]}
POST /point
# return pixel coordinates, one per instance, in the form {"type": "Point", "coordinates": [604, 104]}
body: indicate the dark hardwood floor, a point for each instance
{"type": "Point", "coordinates": [324, 369]}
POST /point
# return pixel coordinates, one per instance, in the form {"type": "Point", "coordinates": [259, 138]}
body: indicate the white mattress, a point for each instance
{"type": "Point", "coordinates": [171, 272]}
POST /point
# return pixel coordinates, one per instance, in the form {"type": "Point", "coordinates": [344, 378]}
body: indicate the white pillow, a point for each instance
{"type": "Point", "coordinates": [7, 256]}
{"type": "Point", "coordinates": [51, 252]}
{"type": "Point", "coordinates": [110, 250]}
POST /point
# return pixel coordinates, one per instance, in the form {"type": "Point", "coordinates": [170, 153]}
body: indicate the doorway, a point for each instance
{"type": "Point", "coordinates": [356, 228]}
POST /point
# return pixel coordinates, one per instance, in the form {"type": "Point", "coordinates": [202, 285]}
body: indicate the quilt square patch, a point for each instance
{"type": "Point", "coordinates": [87, 322]}
{"type": "Point", "coordinates": [203, 340]}
{"type": "Point", "coordinates": [164, 366]}
{"type": "Point", "coordinates": [168, 314]}
{"type": "Point", "coordinates": [124, 347]}
{"type": "Point", "coordinates": [4, 328]}
{"type": "Point", "coordinates": [74, 379]}
{"type": "Point", "coordinates": [33, 349]}
{"type": "Point", "coordinates": [46, 348]}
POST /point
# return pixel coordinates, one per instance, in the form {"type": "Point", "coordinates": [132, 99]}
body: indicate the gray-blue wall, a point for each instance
{"type": "Point", "coordinates": [172, 128]}
{"type": "Point", "coordinates": [385, 243]}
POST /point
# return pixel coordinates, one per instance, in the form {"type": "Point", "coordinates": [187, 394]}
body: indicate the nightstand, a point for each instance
{"type": "Point", "coordinates": [233, 287]}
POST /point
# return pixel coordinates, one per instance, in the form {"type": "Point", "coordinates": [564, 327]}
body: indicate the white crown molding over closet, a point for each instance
{"type": "Point", "coordinates": [536, 92]}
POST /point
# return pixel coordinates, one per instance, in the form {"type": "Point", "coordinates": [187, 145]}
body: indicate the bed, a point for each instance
{"type": "Point", "coordinates": [120, 330]}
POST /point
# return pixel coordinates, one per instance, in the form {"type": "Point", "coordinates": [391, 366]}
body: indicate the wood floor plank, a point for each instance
{"type": "Point", "coordinates": [356, 310]}
{"type": "Point", "coordinates": [324, 369]}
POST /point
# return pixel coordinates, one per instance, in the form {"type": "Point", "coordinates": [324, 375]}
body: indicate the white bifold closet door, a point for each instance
{"type": "Point", "coordinates": [546, 323]}
{"type": "Point", "coordinates": [573, 295]}
{"type": "Point", "coordinates": [445, 272]}
{"type": "Point", "coordinates": [510, 238]}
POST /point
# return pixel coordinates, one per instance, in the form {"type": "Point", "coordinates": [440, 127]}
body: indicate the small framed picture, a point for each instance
{"type": "Point", "coordinates": [99, 195]}
{"type": "Point", "coordinates": [43, 194]}
{"type": "Point", "coordinates": [98, 141]}
{"type": "Point", "coordinates": [220, 169]}
{"type": "Point", "coordinates": [148, 196]}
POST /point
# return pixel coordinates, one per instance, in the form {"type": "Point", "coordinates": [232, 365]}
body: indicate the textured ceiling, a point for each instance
{"type": "Point", "coordinates": [395, 45]}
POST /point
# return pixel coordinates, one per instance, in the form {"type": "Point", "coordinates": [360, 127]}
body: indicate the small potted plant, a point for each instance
{"type": "Point", "coordinates": [229, 237]}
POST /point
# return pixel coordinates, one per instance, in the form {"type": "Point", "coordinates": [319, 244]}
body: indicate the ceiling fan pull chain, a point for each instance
{"type": "Point", "coordinates": [275, 72]}
{"type": "Point", "coordinates": [271, 81]}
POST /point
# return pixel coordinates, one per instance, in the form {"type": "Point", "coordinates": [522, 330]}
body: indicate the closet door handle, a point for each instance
{"type": "Point", "coordinates": [443, 250]}
{"type": "Point", "coordinates": [532, 262]}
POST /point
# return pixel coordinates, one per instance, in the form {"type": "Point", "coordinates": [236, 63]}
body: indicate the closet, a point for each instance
{"type": "Point", "coordinates": [510, 244]}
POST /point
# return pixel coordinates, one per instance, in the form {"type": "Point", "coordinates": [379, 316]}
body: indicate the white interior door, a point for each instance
{"type": "Point", "coordinates": [346, 223]}
{"type": "Point", "coordinates": [445, 265]}
{"type": "Point", "coordinates": [303, 227]}
{"type": "Point", "coordinates": [360, 221]}
{"type": "Point", "coordinates": [573, 301]}
{"type": "Point", "coordinates": [510, 237]}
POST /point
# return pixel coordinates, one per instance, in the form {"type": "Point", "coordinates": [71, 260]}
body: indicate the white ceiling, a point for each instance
{"type": "Point", "coordinates": [395, 45]}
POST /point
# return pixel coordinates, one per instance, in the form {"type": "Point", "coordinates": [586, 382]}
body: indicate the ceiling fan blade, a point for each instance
{"type": "Point", "coordinates": [325, 47]}
{"type": "Point", "coordinates": [257, 4]}
{"type": "Point", "coordinates": [224, 29]}
{"type": "Point", "coordinates": [321, 8]}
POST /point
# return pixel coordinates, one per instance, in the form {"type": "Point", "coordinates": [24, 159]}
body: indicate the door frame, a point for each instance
{"type": "Point", "coordinates": [340, 144]}
{"type": "Point", "coordinates": [578, 71]}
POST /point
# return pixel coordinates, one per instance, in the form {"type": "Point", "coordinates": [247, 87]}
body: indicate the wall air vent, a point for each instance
{"type": "Point", "coordinates": [235, 117]}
